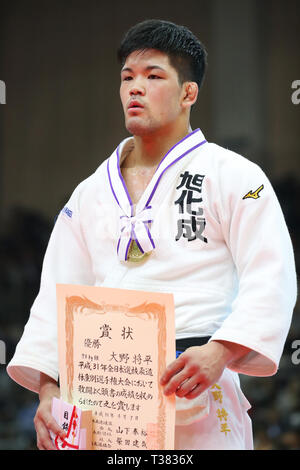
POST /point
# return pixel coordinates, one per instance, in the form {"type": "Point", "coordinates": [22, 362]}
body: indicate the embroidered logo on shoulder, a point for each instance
{"type": "Point", "coordinates": [254, 194]}
{"type": "Point", "coordinates": [67, 211]}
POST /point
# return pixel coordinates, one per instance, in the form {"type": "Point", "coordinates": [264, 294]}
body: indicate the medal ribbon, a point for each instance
{"type": "Point", "coordinates": [137, 227]}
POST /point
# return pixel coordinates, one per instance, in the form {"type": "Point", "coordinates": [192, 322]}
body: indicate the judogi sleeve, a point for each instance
{"type": "Point", "coordinates": [66, 261]}
{"type": "Point", "coordinates": [256, 234]}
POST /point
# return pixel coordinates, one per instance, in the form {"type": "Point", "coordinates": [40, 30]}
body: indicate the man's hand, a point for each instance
{"type": "Point", "coordinates": [199, 367]}
{"type": "Point", "coordinates": [43, 420]}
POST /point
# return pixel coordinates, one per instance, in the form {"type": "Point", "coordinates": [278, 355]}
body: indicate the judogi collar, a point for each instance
{"type": "Point", "coordinates": [136, 227]}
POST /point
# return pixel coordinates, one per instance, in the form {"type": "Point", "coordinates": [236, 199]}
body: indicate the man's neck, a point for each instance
{"type": "Point", "coordinates": [149, 150]}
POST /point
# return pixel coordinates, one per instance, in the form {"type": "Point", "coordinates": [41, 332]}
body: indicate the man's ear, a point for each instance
{"type": "Point", "coordinates": [190, 93]}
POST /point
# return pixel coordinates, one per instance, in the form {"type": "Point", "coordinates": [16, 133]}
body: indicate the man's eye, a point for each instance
{"type": "Point", "coordinates": [152, 76]}
{"type": "Point", "coordinates": [127, 78]}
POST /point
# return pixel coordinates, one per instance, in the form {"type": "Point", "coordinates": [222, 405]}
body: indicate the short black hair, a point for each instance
{"type": "Point", "coordinates": [186, 53]}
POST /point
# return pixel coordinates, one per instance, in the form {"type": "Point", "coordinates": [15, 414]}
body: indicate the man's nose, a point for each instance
{"type": "Point", "coordinates": [137, 89]}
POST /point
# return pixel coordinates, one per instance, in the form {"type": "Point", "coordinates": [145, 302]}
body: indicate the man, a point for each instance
{"type": "Point", "coordinates": [169, 211]}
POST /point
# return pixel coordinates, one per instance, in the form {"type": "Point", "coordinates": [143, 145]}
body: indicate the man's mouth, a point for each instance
{"type": "Point", "coordinates": [135, 104]}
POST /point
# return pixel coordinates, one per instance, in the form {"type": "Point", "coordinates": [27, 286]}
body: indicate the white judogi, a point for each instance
{"type": "Point", "coordinates": [216, 238]}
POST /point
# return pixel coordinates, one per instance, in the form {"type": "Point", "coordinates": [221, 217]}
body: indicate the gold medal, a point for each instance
{"type": "Point", "coordinates": [134, 253]}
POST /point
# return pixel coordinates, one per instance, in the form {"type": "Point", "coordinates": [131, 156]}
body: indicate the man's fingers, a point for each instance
{"type": "Point", "coordinates": [44, 423]}
{"type": "Point", "coordinates": [184, 378]}
{"type": "Point", "coordinates": [176, 381]}
{"type": "Point", "coordinates": [44, 441]}
{"type": "Point", "coordinates": [187, 386]}
{"type": "Point", "coordinates": [52, 425]}
{"type": "Point", "coordinates": [196, 391]}
{"type": "Point", "coordinates": [174, 368]}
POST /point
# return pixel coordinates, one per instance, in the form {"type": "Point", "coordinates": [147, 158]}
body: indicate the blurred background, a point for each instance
{"type": "Point", "coordinates": [63, 117]}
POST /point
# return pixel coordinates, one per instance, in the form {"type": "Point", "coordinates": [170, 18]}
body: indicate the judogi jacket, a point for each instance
{"type": "Point", "coordinates": [213, 234]}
